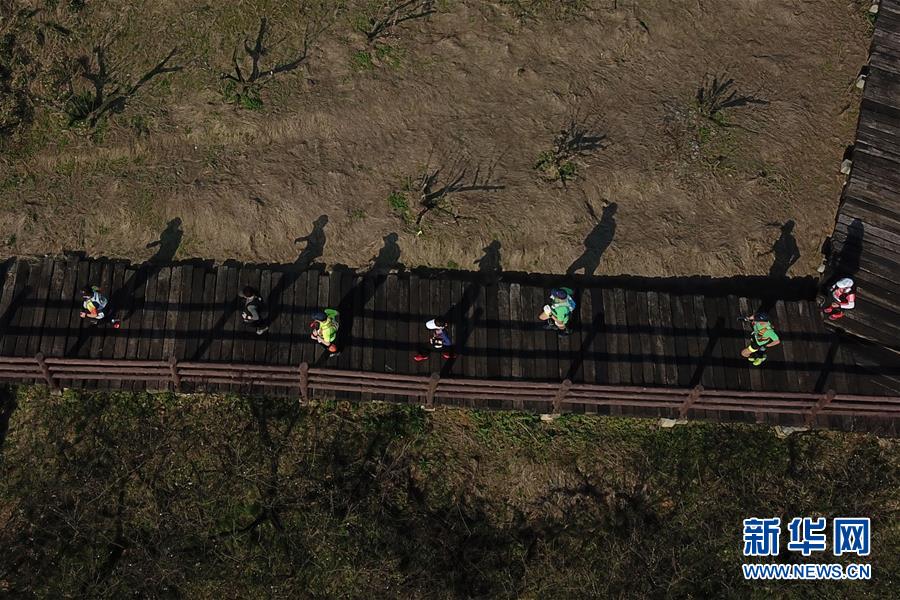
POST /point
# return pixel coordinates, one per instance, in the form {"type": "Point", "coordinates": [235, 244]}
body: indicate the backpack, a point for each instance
{"type": "Point", "coordinates": [570, 300]}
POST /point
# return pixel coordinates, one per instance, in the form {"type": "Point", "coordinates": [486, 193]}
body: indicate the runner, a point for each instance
{"type": "Point", "coordinates": [843, 299]}
{"type": "Point", "coordinates": [325, 326]}
{"type": "Point", "coordinates": [439, 341]}
{"type": "Point", "coordinates": [96, 307]}
{"type": "Point", "coordinates": [252, 312]}
{"type": "Point", "coordinates": [559, 311]}
{"type": "Point", "coordinates": [762, 338]}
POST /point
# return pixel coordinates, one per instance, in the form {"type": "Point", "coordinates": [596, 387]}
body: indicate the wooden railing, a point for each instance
{"type": "Point", "coordinates": [567, 396]}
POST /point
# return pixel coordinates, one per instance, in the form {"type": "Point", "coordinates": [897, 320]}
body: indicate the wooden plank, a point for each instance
{"type": "Point", "coordinates": [48, 267]}
{"type": "Point", "coordinates": [195, 314]}
{"type": "Point", "coordinates": [176, 282]}
{"type": "Point", "coordinates": [24, 327]}
{"type": "Point", "coordinates": [670, 364]}
{"type": "Point", "coordinates": [8, 306]}
{"type": "Point", "coordinates": [370, 283]}
{"type": "Point", "coordinates": [341, 297]}
{"type": "Point", "coordinates": [157, 309]}
{"type": "Point", "coordinates": [492, 330]}
{"type": "Point", "coordinates": [465, 317]}
{"type": "Point", "coordinates": [534, 337]}
{"type": "Point", "coordinates": [516, 336]}
{"type": "Point", "coordinates": [656, 335]}
{"type": "Point", "coordinates": [245, 335]}
{"type": "Point", "coordinates": [735, 342]}
{"type": "Point", "coordinates": [523, 334]}
{"type": "Point", "coordinates": [230, 312]}
{"type": "Point", "coordinates": [714, 324]}
{"type": "Point", "coordinates": [322, 304]}
{"type": "Point", "coordinates": [596, 369]}
{"type": "Point", "coordinates": [104, 280]}
{"type": "Point", "coordinates": [89, 331]}
{"type": "Point", "coordinates": [635, 343]}
{"type": "Point", "coordinates": [405, 351]}
{"type": "Point", "coordinates": [209, 314]}
{"type": "Point", "coordinates": [682, 333]}
{"type": "Point", "coordinates": [52, 308]}
{"type": "Point", "coordinates": [142, 331]}
{"type": "Point", "coordinates": [120, 308]}
{"type": "Point", "coordinates": [480, 333]}
{"type": "Point", "coordinates": [182, 308]}
{"type": "Point", "coordinates": [391, 325]}
{"type": "Point", "coordinates": [619, 342]}
{"type": "Point", "coordinates": [504, 331]}
{"type": "Point", "coordinates": [213, 336]}
{"type": "Point", "coordinates": [708, 341]}
{"type": "Point", "coordinates": [78, 330]}
{"type": "Point", "coordinates": [798, 375]}
{"type": "Point", "coordinates": [257, 343]}
{"type": "Point", "coordinates": [65, 307]}
{"type": "Point", "coordinates": [125, 293]}
{"type": "Point", "coordinates": [357, 333]}
{"type": "Point", "coordinates": [415, 332]}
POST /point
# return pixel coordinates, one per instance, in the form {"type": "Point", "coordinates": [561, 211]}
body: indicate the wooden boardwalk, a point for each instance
{"type": "Point", "coordinates": [629, 332]}
{"type": "Point", "coordinates": [866, 240]}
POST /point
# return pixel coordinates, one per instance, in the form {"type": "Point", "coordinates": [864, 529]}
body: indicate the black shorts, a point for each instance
{"type": "Point", "coordinates": [755, 347]}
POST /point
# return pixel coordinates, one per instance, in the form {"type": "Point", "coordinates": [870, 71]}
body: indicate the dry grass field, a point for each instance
{"type": "Point", "coordinates": [695, 129]}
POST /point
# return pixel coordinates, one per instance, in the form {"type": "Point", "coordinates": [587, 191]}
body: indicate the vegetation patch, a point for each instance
{"type": "Point", "coordinates": [158, 495]}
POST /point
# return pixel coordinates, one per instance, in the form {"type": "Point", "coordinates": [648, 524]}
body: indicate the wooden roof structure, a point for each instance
{"type": "Point", "coordinates": [865, 244]}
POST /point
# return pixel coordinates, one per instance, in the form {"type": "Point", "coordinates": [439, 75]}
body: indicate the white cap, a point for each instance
{"type": "Point", "coordinates": [432, 325]}
{"type": "Point", "coordinates": [845, 283]}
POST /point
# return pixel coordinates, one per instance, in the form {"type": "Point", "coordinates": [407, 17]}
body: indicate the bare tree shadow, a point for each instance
{"type": "Point", "coordinates": [435, 186]}
{"type": "Point", "coordinates": [108, 96]}
{"type": "Point", "coordinates": [596, 243]}
{"type": "Point", "coordinates": [784, 250]}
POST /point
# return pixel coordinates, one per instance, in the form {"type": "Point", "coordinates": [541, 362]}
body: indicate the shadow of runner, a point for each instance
{"type": "Point", "coordinates": [844, 261]}
{"type": "Point", "coordinates": [490, 267]}
{"type": "Point", "coordinates": [387, 259]}
{"type": "Point", "coordinates": [124, 299]}
{"type": "Point", "coordinates": [272, 305]}
{"type": "Point", "coordinates": [596, 243]}
{"type": "Point", "coordinates": [715, 334]}
{"type": "Point", "coordinates": [784, 250]}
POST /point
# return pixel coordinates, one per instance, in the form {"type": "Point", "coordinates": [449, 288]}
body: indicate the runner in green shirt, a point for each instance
{"type": "Point", "coordinates": [761, 338]}
{"type": "Point", "coordinates": [325, 326]}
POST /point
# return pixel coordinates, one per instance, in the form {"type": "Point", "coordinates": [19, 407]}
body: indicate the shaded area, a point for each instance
{"type": "Point", "coordinates": [8, 406]}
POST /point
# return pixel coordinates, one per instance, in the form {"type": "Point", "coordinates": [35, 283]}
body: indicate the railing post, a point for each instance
{"type": "Point", "coordinates": [689, 402]}
{"type": "Point", "coordinates": [433, 382]}
{"type": "Point", "coordinates": [45, 371]}
{"type": "Point", "coordinates": [304, 382]}
{"type": "Point", "coordinates": [824, 401]}
{"type": "Point", "coordinates": [561, 394]}
{"type": "Point", "coordinates": [173, 370]}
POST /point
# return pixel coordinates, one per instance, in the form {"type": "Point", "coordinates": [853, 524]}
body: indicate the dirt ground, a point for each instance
{"type": "Point", "coordinates": [666, 186]}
